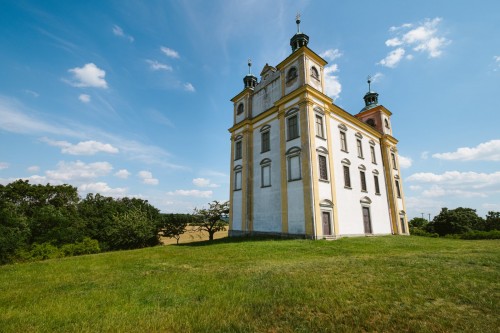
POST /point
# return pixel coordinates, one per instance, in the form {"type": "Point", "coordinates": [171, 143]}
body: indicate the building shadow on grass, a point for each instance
{"type": "Point", "coordinates": [239, 239]}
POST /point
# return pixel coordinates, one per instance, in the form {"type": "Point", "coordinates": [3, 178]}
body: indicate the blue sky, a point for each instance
{"type": "Point", "coordinates": [131, 98]}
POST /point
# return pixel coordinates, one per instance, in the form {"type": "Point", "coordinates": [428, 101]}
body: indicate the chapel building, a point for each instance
{"type": "Point", "coordinates": [301, 166]}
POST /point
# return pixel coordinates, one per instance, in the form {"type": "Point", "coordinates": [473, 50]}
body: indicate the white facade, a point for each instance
{"type": "Point", "coordinates": [302, 166]}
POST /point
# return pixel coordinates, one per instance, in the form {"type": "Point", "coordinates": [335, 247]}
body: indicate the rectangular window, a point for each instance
{"type": "Point", "coordinates": [363, 181]}
{"type": "Point", "coordinates": [237, 180]}
{"type": "Point", "coordinates": [403, 225]}
{"type": "Point", "coordinates": [374, 159]}
{"type": "Point", "coordinates": [319, 127]}
{"type": "Point", "coordinates": [293, 127]}
{"type": "Point", "coordinates": [393, 157]}
{"type": "Point", "coordinates": [343, 141]}
{"type": "Point", "coordinates": [347, 177]}
{"type": "Point", "coordinates": [377, 187]}
{"type": "Point", "coordinates": [237, 150]}
{"type": "Point", "coordinates": [266, 175]}
{"type": "Point", "coordinates": [398, 190]}
{"type": "Point", "coordinates": [323, 170]}
{"type": "Point", "coordinates": [265, 142]}
{"type": "Point", "coordinates": [294, 167]}
{"type": "Point", "coordinates": [360, 148]}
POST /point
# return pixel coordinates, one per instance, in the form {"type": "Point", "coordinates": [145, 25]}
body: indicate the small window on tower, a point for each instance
{"type": "Point", "coordinates": [386, 122]}
{"type": "Point", "coordinates": [314, 73]}
{"type": "Point", "coordinates": [371, 122]}
{"type": "Point", "coordinates": [240, 109]}
{"type": "Point", "coordinates": [292, 74]}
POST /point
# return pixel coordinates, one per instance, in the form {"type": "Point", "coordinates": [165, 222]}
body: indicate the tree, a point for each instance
{"type": "Point", "coordinates": [492, 221]}
{"type": "Point", "coordinates": [418, 222]}
{"type": "Point", "coordinates": [455, 221]}
{"type": "Point", "coordinates": [212, 219]}
{"type": "Point", "coordinates": [174, 225]}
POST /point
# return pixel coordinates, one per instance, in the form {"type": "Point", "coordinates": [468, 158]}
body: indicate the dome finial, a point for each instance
{"type": "Point", "coordinates": [297, 20]}
{"type": "Point", "coordinates": [249, 66]}
{"type": "Point", "coordinates": [369, 80]}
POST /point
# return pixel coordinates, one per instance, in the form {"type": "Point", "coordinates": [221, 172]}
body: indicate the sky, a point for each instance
{"type": "Point", "coordinates": [132, 98]}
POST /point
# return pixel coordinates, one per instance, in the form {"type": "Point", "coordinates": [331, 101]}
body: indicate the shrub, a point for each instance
{"type": "Point", "coordinates": [86, 246]}
{"type": "Point", "coordinates": [493, 234]}
{"type": "Point", "coordinates": [44, 251]}
{"type": "Point", "coordinates": [420, 232]}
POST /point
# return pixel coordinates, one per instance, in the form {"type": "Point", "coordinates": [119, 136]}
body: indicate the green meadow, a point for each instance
{"type": "Point", "coordinates": [383, 284]}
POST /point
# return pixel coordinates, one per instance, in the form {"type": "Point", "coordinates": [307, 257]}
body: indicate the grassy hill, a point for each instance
{"type": "Point", "coordinates": [384, 284]}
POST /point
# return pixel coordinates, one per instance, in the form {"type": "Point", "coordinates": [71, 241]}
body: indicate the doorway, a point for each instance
{"type": "Point", "coordinates": [367, 221]}
{"type": "Point", "coordinates": [327, 225]}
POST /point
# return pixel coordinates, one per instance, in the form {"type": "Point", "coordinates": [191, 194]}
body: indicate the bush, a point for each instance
{"type": "Point", "coordinates": [493, 234]}
{"type": "Point", "coordinates": [86, 246]}
{"type": "Point", "coordinates": [420, 232]}
{"type": "Point", "coordinates": [44, 251]}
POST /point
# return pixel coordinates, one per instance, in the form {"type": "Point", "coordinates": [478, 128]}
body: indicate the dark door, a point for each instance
{"type": "Point", "coordinates": [403, 226]}
{"type": "Point", "coordinates": [327, 229]}
{"type": "Point", "coordinates": [366, 220]}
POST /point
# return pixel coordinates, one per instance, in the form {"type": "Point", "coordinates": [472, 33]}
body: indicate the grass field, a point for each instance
{"type": "Point", "coordinates": [384, 284]}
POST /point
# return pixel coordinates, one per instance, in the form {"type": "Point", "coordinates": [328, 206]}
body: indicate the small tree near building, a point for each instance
{"type": "Point", "coordinates": [212, 219]}
{"type": "Point", "coordinates": [174, 225]}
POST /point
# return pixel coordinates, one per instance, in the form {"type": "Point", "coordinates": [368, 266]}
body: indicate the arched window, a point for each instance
{"type": "Point", "coordinates": [314, 73]}
{"type": "Point", "coordinates": [240, 109]}
{"type": "Point", "coordinates": [292, 74]}
{"type": "Point", "coordinates": [371, 122]}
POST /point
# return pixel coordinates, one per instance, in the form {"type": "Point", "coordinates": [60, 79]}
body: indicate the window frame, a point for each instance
{"type": "Point", "coordinates": [359, 145]}
{"type": "Point", "coordinates": [347, 177]}
{"type": "Point", "coordinates": [319, 124]}
{"type": "Point", "coordinates": [315, 72]}
{"type": "Point", "coordinates": [240, 109]}
{"type": "Point", "coordinates": [377, 184]}
{"type": "Point", "coordinates": [238, 150]}
{"type": "Point", "coordinates": [291, 154]}
{"type": "Point", "coordinates": [263, 165]}
{"type": "Point", "coordinates": [343, 142]}
{"type": "Point", "coordinates": [398, 188]}
{"type": "Point", "coordinates": [373, 155]}
{"type": "Point", "coordinates": [291, 74]}
{"type": "Point", "coordinates": [238, 176]}
{"type": "Point", "coordinates": [323, 167]}
{"type": "Point", "coordinates": [294, 126]}
{"type": "Point", "coordinates": [362, 176]}
{"type": "Point", "coordinates": [265, 141]}
{"type": "Point", "coordinates": [393, 159]}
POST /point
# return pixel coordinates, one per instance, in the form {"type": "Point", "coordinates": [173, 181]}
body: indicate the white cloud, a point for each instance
{"type": "Point", "coordinates": [192, 193]}
{"type": "Point", "coordinates": [119, 32]}
{"type": "Point", "coordinates": [333, 88]}
{"type": "Point", "coordinates": [456, 179]}
{"type": "Point", "coordinates": [415, 187]}
{"type": "Point", "coordinates": [147, 178]}
{"type": "Point", "coordinates": [82, 148]}
{"type": "Point", "coordinates": [77, 171]}
{"type": "Point", "coordinates": [156, 66]}
{"type": "Point", "coordinates": [32, 93]}
{"type": "Point", "coordinates": [84, 98]}
{"type": "Point", "coordinates": [122, 173]}
{"type": "Point", "coordinates": [204, 182]}
{"type": "Point", "coordinates": [4, 165]}
{"type": "Point", "coordinates": [33, 169]}
{"type": "Point", "coordinates": [405, 162]}
{"type": "Point", "coordinates": [169, 52]}
{"type": "Point", "coordinates": [377, 77]}
{"type": "Point", "coordinates": [102, 188]}
{"type": "Point", "coordinates": [439, 191]}
{"type": "Point", "coordinates": [424, 155]}
{"type": "Point", "coordinates": [189, 87]}
{"type": "Point", "coordinates": [331, 54]}
{"type": "Point", "coordinates": [393, 58]}
{"type": "Point", "coordinates": [88, 76]}
{"type": "Point", "coordinates": [487, 151]}
{"type": "Point", "coordinates": [497, 63]}
{"type": "Point", "coordinates": [424, 38]}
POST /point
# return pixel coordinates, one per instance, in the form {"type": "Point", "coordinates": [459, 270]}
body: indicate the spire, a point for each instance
{"type": "Point", "coordinates": [250, 80]}
{"type": "Point", "coordinates": [371, 97]}
{"type": "Point", "coordinates": [299, 39]}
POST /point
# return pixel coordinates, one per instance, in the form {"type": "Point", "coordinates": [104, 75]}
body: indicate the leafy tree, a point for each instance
{"type": "Point", "coordinates": [212, 219]}
{"type": "Point", "coordinates": [174, 225]}
{"type": "Point", "coordinates": [455, 221]}
{"type": "Point", "coordinates": [492, 221]}
{"type": "Point", "coordinates": [131, 230]}
{"type": "Point", "coordinates": [14, 231]}
{"type": "Point", "coordinates": [418, 222]}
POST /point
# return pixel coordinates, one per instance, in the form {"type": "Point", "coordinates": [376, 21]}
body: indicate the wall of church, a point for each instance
{"type": "Point", "coordinates": [266, 93]}
{"type": "Point", "coordinates": [350, 201]}
{"type": "Point", "coordinates": [267, 199]}
{"type": "Point", "coordinates": [295, 193]}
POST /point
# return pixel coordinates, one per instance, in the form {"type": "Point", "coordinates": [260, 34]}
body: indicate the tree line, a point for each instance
{"type": "Point", "coordinates": [47, 221]}
{"type": "Point", "coordinates": [458, 223]}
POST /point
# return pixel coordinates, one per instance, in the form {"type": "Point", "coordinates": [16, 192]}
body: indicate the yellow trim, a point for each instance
{"type": "Point", "coordinates": [241, 94]}
{"type": "Point", "coordinates": [389, 181]}
{"type": "Point", "coordinates": [329, 139]}
{"type": "Point", "coordinates": [250, 180]}
{"type": "Point", "coordinates": [303, 51]}
{"type": "Point", "coordinates": [306, 170]}
{"type": "Point", "coordinates": [231, 186]}
{"type": "Point", "coordinates": [317, 230]}
{"type": "Point", "coordinates": [284, 175]}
